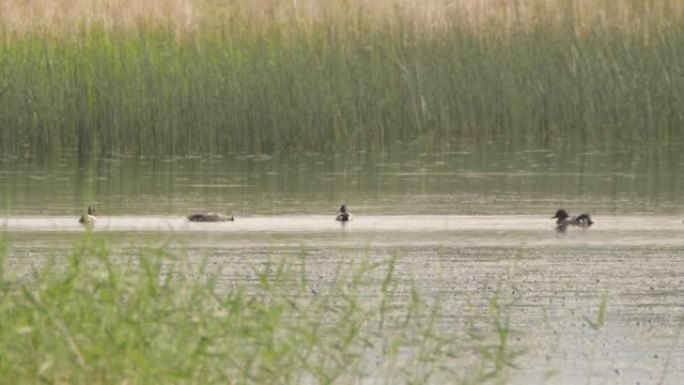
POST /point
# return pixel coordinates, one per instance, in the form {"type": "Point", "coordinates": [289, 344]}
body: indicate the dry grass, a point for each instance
{"type": "Point", "coordinates": [20, 16]}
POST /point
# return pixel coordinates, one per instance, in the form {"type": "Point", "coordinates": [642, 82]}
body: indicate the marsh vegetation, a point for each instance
{"type": "Point", "coordinates": [90, 317]}
{"type": "Point", "coordinates": [276, 76]}
{"type": "Point", "coordinates": [452, 129]}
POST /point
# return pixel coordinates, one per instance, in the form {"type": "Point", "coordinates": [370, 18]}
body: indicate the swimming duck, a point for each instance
{"type": "Point", "coordinates": [89, 218]}
{"type": "Point", "coordinates": [210, 217]}
{"type": "Point", "coordinates": [564, 219]}
{"type": "Point", "coordinates": [343, 216]}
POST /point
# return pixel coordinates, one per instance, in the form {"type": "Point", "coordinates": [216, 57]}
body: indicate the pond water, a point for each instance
{"type": "Point", "coordinates": [466, 221]}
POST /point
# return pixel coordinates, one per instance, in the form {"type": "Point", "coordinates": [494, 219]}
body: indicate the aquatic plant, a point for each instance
{"type": "Point", "coordinates": [343, 77]}
{"type": "Point", "coordinates": [92, 317]}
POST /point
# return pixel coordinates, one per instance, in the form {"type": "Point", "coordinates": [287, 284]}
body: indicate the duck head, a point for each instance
{"type": "Point", "coordinates": [561, 214]}
{"type": "Point", "coordinates": [343, 209]}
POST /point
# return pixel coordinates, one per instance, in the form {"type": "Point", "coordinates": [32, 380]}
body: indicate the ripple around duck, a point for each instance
{"type": "Point", "coordinates": [393, 230]}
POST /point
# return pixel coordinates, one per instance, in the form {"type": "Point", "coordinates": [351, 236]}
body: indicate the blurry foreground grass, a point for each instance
{"type": "Point", "coordinates": [92, 318]}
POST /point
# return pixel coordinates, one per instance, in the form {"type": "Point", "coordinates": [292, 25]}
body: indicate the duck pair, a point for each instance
{"type": "Point", "coordinates": [563, 220]}
{"type": "Point", "coordinates": [343, 216]}
{"type": "Point", "coordinates": [89, 218]}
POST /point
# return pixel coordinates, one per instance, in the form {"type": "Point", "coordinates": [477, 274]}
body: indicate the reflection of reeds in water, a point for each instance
{"type": "Point", "coordinates": [172, 77]}
{"type": "Point", "coordinates": [94, 318]}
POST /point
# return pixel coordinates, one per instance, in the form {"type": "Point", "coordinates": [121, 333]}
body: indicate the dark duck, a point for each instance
{"type": "Point", "coordinates": [210, 217]}
{"type": "Point", "coordinates": [563, 219]}
{"type": "Point", "coordinates": [343, 216]}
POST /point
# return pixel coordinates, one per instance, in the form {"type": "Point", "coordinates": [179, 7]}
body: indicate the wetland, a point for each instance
{"type": "Point", "coordinates": [461, 228]}
{"type": "Point", "coordinates": [452, 133]}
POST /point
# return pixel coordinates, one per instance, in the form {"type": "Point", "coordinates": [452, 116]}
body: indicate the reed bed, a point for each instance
{"type": "Point", "coordinates": [177, 77]}
{"type": "Point", "coordinates": [92, 318]}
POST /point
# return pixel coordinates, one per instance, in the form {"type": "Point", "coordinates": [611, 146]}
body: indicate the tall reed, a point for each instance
{"type": "Point", "coordinates": [344, 81]}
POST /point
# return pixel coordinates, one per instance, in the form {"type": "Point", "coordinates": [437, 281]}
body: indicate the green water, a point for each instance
{"type": "Point", "coordinates": [483, 179]}
{"type": "Point", "coordinates": [464, 222]}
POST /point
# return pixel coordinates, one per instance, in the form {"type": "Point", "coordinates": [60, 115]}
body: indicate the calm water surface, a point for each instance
{"type": "Point", "coordinates": [466, 222]}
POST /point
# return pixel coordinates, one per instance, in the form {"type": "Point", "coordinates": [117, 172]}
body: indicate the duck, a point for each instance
{"type": "Point", "coordinates": [89, 218]}
{"type": "Point", "coordinates": [210, 217]}
{"type": "Point", "coordinates": [563, 219]}
{"type": "Point", "coordinates": [343, 216]}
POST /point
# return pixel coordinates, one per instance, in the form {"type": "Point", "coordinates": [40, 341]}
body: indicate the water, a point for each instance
{"type": "Point", "coordinates": [382, 230]}
{"type": "Point", "coordinates": [476, 180]}
{"type": "Point", "coordinates": [466, 222]}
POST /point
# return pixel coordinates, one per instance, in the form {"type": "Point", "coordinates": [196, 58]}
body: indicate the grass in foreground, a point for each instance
{"type": "Point", "coordinates": [91, 318]}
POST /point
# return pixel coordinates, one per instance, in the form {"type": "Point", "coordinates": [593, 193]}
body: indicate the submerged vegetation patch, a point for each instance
{"type": "Point", "coordinates": [263, 77]}
{"type": "Point", "coordinates": [90, 317]}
